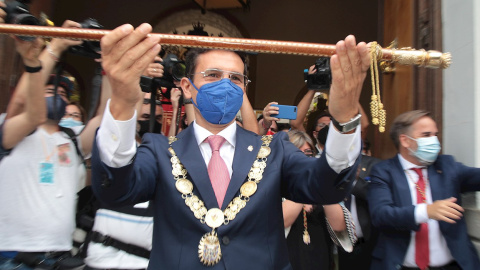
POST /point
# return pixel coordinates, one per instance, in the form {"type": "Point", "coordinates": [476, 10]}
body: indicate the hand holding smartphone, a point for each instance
{"type": "Point", "coordinates": [285, 112]}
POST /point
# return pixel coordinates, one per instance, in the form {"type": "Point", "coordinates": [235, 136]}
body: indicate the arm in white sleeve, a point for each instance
{"type": "Point", "coordinates": [116, 139]}
{"type": "Point", "coordinates": [421, 215]}
{"type": "Point", "coordinates": [342, 149]}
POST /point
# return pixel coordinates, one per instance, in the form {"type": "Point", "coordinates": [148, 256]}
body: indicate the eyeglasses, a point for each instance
{"type": "Point", "coordinates": [213, 75]}
{"type": "Point", "coordinates": [308, 152]}
{"type": "Point", "coordinates": [321, 125]}
{"type": "Point", "coordinates": [73, 115]}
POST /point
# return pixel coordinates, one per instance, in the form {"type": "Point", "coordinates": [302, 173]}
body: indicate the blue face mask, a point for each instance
{"type": "Point", "coordinates": [69, 122]}
{"type": "Point", "coordinates": [219, 102]}
{"type": "Point", "coordinates": [427, 149]}
{"type": "Point", "coordinates": [58, 111]}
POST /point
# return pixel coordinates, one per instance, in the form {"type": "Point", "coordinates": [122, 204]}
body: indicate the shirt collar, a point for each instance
{"type": "Point", "coordinates": [407, 165]}
{"type": "Point", "coordinates": [228, 133]}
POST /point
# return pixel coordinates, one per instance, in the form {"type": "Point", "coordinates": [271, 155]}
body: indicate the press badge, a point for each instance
{"type": "Point", "coordinates": [46, 173]}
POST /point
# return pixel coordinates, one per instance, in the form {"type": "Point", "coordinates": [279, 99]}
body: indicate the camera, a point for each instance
{"type": "Point", "coordinates": [88, 48]}
{"type": "Point", "coordinates": [174, 70]}
{"type": "Point", "coordinates": [19, 13]}
{"type": "Point", "coordinates": [322, 78]}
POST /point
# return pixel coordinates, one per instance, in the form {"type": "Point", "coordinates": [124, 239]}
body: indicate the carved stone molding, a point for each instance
{"type": "Point", "coordinates": [183, 21]}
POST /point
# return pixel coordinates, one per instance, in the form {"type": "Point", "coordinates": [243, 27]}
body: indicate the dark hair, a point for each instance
{"type": "Point", "coordinates": [283, 126]}
{"type": "Point", "coordinates": [312, 120]}
{"type": "Point", "coordinates": [194, 53]}
{"type": "Point", "coordinates": [64, 82]}
{"type": "Point", "coordinates": [403, 123]}
{"type": "Point", "coordinates": [82, 111]}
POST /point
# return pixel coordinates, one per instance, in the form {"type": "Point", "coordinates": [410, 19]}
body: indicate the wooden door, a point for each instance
{"type": "Point", "coordinates": [414, 24]}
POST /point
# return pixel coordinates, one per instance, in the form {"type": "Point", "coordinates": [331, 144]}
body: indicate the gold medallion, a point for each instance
{"type": "Point", "coordinates": [263, 152]}
{"type": "Point", "coordinates": [184, 186]}
{"type": "Point", "coordinates": [248, 189]}
{"type": "Point", "coordinates": [214, 218]}
{"type": "Point", "coordinates": [209, 251]}
{"type": "Point", "coordinates": [259, 164]}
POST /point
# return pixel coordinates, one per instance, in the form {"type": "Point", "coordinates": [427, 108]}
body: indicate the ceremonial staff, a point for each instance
{"type": "Point", "coordinates": [430, 59]}
{"type": "Point", "coordinates": [408, 56]}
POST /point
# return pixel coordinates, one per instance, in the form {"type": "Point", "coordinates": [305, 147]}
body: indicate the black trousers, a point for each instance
{"type": "Point", "coordinates": [359, 258]}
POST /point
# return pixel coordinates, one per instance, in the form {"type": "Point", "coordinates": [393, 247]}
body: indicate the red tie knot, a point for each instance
{"type": "Point", "coordinates": [215, 142]}
{"type": "Point", "coordinates": [418, 171]}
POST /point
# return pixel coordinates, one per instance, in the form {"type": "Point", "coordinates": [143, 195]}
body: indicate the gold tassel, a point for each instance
{"type": "Point", "coordinates": [379, 114]}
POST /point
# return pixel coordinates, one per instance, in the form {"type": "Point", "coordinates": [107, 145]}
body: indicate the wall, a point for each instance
{"type": "Point", "coordinates": [462, 95]}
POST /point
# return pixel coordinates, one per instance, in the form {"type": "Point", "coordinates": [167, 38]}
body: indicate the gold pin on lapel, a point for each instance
{"type": "Point", "coordinates": [439, 171]}
{"type": "Point", "coordinates": [250, 148]}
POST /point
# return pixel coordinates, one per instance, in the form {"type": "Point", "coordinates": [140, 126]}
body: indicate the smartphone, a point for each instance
{"type": "Point", "coordinates": [286, 112]}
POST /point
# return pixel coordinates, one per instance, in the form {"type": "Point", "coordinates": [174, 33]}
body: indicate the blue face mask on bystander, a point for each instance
{"type": "Point", "coordinates": [219, 101]}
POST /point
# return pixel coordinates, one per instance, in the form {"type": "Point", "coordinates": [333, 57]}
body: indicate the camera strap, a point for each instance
{"type": "Point", "coordinates": [112, 242]}
{"type": "Point", "coordinates": [73, 137]}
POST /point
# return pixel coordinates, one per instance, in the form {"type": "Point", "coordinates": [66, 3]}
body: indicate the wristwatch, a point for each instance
{"type": "Point", "coordinates": [348, 126]}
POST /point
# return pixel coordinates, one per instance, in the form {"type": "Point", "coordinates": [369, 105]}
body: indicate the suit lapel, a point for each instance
{"type": "Point", "coordinates": [434, 180]}
{"type": "Point", "coordinates": [242, 161]}
{"type": "Point", "coordinates": [401, 182]}
{"type": "Point", "coordinates": [188, 152]}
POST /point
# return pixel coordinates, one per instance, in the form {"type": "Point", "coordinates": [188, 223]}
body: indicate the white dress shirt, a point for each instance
{"type": "Point", "coordinates": [116, 143]}
{"type": "Point", "coordinates": [439, 253]}
{"type": "Point", "coordinates": [354, 213]}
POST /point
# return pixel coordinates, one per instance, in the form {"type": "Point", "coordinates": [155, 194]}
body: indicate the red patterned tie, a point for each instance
{"type": "Point", "coordinates": [217, 169]}
{"type": "Point", "coordinates": [422, 255]}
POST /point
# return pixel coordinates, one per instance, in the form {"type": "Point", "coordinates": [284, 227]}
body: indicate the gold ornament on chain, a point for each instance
{"type": "Point", "coordinates": [209, 251]}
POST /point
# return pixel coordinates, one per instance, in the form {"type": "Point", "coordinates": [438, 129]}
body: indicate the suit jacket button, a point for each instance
{"type": "Point", "coordinates": [105, 181]}
{"type": "Point", "coordinates": [226, 240]}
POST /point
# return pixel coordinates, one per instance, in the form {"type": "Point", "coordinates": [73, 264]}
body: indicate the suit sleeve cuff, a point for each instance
{"type": "Point", "coordinates": [116, 139]}
{"type": "Point", "coordinates": [421, 215]}
{"type": "Point", "coordinates": [342, 149]}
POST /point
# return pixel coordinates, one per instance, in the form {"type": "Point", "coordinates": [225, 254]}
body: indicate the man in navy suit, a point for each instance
{"type": "Point", "coordinates": [415, 199]}
{"type": "Point", "coordinates": [217, 199]}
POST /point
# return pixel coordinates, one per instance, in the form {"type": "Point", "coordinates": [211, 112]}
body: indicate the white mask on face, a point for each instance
{"type": "Point", "coordinates": [427, 149]}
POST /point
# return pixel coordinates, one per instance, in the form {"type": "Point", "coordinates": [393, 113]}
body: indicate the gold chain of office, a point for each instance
{"type": "Point", "coordinates": [209, 251]}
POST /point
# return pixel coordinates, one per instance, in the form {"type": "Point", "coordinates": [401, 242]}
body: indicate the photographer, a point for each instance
{"type": "Point", "coordinates": [314, 85]}
{"type": "Point", "coordinates": [42, 165]}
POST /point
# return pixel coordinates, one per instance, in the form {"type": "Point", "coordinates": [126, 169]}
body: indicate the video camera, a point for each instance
{"type": "Point", "coordinates": [88, 48]}
{"type": "Point", "coordinates": [322, 78]}
{"type": "Point", "coordinates": [19, 13]}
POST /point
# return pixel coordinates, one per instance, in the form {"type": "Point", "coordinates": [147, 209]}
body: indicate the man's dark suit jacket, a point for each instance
{"type": "Point", "coordinates": [392, 210]}
{"type": "Point", "coordinates": [255, 238]}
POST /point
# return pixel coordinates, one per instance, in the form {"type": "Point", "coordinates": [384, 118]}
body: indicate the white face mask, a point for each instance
{"type": "Point", "coordinates": [427, 149]}
{"type": "Point", "coordinates": [69, 122]}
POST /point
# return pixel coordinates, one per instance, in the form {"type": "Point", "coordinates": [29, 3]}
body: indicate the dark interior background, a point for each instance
{"type": "Point", "coordinates": [275, 77]}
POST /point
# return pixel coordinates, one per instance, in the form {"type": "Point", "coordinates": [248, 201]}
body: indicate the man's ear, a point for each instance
{"type": "Point", "coordinates": [404, 141]}
{"type": "Point", "coordinates": [186, 85]}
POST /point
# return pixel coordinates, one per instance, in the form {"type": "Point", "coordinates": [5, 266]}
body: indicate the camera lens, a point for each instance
{"type": "Point", "coordinates": [18, 13]}
{"type": "Point", "coordinates": [178, 71]}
